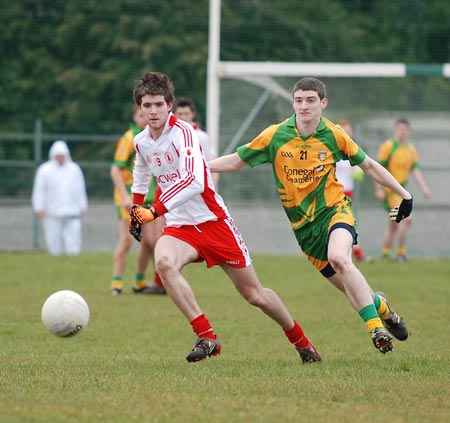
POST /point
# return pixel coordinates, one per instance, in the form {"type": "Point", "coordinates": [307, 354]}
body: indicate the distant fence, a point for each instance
{"type": "Point", "coordinates": [250, 193]}
{"type": "Point", "coordinates": [21, 153]}
{"type": "Point", "coordinates": [264, 226]}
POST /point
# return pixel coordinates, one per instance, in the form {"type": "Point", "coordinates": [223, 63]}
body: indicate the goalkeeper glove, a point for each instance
{"type": "Point", "coordinates": [143, 215]}
{"type": "Point", "coordinates": [134, 228]}
{"type": "Point", "coordinates": [397, 214]}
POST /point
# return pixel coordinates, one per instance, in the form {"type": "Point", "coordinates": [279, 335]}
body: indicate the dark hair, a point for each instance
{"type": "Point", "coordinates": [184, 102]}
{"type": "Point", "coordinates": [311, 84]}
{"type": "Point", "coordinates": [403, 120]}
{"type": "Point", "coordinates": [154, 83]}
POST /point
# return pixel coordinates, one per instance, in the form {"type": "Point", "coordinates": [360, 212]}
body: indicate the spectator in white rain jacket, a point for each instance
{"type": "Point", "coordinates": [59, 198]}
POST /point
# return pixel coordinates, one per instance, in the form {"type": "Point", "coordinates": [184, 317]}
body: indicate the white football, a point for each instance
{"type": "Point", "coordinates": [65, 313]}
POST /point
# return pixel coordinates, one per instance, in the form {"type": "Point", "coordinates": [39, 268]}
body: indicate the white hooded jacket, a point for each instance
{"type": "Point", "coordinates": [59, 190]}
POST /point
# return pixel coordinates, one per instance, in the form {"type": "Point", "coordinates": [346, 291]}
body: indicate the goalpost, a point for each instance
{"type": "Point", "coordinates": [243, 98]}
{"type": "Point", "coordinates": [372, 95]}
{"type": "Point", "coordinates": [262, 74]}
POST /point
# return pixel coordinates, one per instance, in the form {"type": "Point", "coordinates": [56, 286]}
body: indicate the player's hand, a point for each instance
{"type": "Point", "coordinates": [397, 214]}
{"type": "Point", "coordinates": [142, 215]}
{"type": "Point", "coordinates": [134, 228]}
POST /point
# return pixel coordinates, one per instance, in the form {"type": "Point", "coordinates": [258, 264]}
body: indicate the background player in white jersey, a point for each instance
{"type": "Point", "coordinates": [348, 175]}
{"type": "Point", "coordinates": [198, 226]}
{"type": "Point", "coordinates": [184, 109]}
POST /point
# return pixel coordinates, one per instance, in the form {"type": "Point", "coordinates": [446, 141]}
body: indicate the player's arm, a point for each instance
{"type": "Point", "coordinates": [380, 194]}
{"type": "Point", "coordinates": [229, 163]}
{"type": "Point", "coordinates": [382, 176]}
{"type": "Point", "coordinates": [420, 180]}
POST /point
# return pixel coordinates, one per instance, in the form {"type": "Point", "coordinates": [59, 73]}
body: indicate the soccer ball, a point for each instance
{"type": "Point", "coordinates": [65, 313]}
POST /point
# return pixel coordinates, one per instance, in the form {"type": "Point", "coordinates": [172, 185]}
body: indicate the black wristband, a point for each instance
{"type": "Point", "coordinates": [152, 209]}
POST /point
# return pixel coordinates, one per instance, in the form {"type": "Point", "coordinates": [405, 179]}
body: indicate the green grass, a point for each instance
{"type": "Point", "coordinates": [129, 364]}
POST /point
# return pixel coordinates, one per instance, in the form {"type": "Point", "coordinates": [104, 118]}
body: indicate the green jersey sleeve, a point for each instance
{"type": "Point", "coordinates": [258, 150]}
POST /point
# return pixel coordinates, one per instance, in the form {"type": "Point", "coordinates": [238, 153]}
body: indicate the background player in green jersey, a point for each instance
{"type": "Point", "coordinates": [400, 158]}
{"type": "Point", "coordinates": [303, 151]}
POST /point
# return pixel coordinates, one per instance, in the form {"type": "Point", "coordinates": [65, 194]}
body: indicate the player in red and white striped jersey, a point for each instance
{"type": "Point", "coordinates": [198, 225]}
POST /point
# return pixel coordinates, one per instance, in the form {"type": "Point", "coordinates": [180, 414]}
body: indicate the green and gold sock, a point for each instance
{"type": "Point", "coordinates": [382, 307]}
{"type": "Point", "coordinates": [386, 252]}
{"type": "Point", "coordinates": [116, 282]}
{"type": "Point", "coordinates": [140, 280]}
{"type": "Point", "coordinates": [370, 317]}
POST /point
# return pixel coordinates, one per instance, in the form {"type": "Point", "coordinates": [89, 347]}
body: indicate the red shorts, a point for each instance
{"type": "Point", "coordinates": [216, 242]}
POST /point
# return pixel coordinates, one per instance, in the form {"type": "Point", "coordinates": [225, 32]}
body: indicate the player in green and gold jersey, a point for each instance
{"type": "Point", "coordinates": [303, 151]}
{"type": "Point", "coordinates": [400, 158]}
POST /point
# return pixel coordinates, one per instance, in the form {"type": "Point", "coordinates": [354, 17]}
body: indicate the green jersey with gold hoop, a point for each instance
{"type": "Point", "coordinates": [304, 167]}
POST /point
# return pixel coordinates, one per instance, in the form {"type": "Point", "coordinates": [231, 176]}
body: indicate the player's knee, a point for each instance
{"type": "Point", "coordinates": [254, 300]}
{"type": "Point", "coordinates": [164, 265]}
{"type": "Point", "coordinates": [255, 297]}
{"type": "Point", "coordinates": [339, 261]}
{"type": "Point", "coordinates": [250, 295]}
{"type": "Point", "coordinates": [125, 244]}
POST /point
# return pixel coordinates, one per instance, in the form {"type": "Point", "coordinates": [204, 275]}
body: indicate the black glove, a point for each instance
{"type": "Point", "coordinates": [398, 213]}
{"type": "Point", "coordinates": [134, 228]}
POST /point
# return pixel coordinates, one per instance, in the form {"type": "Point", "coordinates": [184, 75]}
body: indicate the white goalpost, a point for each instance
{"type": "Point", "coordinates": [262, 74]}
{"type": "Point", "coordinates": [243, 98]}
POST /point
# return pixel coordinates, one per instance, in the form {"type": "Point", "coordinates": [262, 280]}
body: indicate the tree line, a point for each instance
{"type": "Point", "coordinates": [73, 63]}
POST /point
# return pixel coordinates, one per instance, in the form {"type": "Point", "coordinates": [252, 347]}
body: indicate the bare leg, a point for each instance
{"type": "Point", "coordinates": [150, 234]}
{"type": "Point", "coordinates": [122, 249]}
{"type": "Point", "coordinates": [248, 285]}
{"type": "Point", "coordinates": [403, 228]}
{"type": "Point", "coordinates": [171, 255]}
{"type": "Point", "coordinates": [389, 235]}
{"type": "Point", "coordinates": [146, 250]}
{"type": "Point", "coordinates": [347, 278]}
{"type": "Point", "coordinates": [351, 281]}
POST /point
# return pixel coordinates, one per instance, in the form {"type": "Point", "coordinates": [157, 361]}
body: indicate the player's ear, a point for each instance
{"type": "Point", "coordinates": [324, 102]}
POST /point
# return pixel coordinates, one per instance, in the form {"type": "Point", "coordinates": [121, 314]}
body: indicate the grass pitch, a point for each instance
{"type": "Point", "coordinates": [129, 364]}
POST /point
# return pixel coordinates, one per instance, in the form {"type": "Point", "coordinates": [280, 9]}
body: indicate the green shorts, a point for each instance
{"type": "Point", "coordinates": [313, 237]}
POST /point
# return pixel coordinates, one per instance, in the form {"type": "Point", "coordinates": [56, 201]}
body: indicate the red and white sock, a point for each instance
{"type": "Point", "coordinates": [203, 328]}
{"type": "Point", "coordinates": [296, 336]}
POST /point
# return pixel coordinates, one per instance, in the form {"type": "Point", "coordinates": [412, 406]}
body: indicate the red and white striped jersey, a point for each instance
{"type": "Point", "coordinates": [176, 161]}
